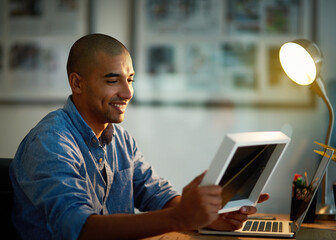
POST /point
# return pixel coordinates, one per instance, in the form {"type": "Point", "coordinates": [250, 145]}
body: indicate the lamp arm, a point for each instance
{"type": "Point", "coordinates": [319, 87]}
{"type": "Point", "coordinates": [327, 142]}
{"type": "Point", "coordinates": [331, 120]}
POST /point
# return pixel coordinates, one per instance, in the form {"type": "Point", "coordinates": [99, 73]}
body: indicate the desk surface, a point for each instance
{"type": "Point", "coordinates": [318, 230]}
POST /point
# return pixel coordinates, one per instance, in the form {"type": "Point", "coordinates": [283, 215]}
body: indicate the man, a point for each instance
{"type": "Point", "coordinates": [78, 174]}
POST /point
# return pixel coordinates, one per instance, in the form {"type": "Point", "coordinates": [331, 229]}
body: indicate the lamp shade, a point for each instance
{"type": "Point", "coordinates": [301, 60]}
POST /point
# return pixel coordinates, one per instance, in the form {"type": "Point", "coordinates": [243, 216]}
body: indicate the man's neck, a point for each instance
{"type": "Point", "coordinates": [97, 128]}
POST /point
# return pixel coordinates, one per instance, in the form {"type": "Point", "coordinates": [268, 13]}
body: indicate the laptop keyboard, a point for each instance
{"type": "Point", "coordinates": [263, 226]}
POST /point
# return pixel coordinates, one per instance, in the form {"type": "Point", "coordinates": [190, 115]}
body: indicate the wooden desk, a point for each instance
{"type": "Point", "coordinates": [318, 230]}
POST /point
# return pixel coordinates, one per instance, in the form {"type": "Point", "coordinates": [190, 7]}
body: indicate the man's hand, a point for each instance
{"type": "Point", "coordinates": [234, 220]}
{"type": "Point", "coordinates": [198, 206]}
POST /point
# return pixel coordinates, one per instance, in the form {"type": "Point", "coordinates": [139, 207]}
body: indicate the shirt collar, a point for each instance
{"type": "Point", "coordinates": [84, 129]}
{"type": "Point", "coordinates": [107, 134]}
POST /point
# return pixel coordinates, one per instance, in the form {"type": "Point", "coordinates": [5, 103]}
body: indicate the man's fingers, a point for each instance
{"type": "Point", "coordinates": [248, 210]}
{"type": "Point", "coordinates": [199, 206]}
{"type": "Point", "coordinates": [208, 196]}
{"type": "Point", "coordinates": [234, 220]}
{"type": "Point", "coordinates": [213, 201]}
{"type": "Point", "coordinates": [235, 215]}
{"type": "Point", "coordinates": [263, 197]}
{"type": "Point", "coordinates": [211, 190]}
{"type": "Point", "coordinates": [196, 181]}
{"type": "Point", "coordinates": [235, 224]}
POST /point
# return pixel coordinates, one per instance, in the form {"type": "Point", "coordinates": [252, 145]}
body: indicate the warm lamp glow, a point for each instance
{"type": "Point", "coordinates": [297, 63]}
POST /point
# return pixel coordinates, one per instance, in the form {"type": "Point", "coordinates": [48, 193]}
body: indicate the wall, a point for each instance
{"type": "Point", "coordinates": [181, 142]}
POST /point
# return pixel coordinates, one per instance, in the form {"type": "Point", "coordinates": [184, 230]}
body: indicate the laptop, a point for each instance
{"type": "Point", "coordinates": [273, 228]}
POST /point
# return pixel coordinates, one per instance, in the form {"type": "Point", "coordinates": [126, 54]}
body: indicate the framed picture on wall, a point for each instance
{"type": "Point", "coordinates": [36, 37]}
{"type": "Point", "coordinates": [217, 52]}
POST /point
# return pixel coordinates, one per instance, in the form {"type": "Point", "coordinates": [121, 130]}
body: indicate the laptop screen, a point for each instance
{"type": "Point", "coordinates": [315, 182]}
{"type": "Point", "coordinates": [244, 170]}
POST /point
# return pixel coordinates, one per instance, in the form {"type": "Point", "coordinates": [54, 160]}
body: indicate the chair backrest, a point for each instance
{"type": "Point", "coordinates": [6, 197]}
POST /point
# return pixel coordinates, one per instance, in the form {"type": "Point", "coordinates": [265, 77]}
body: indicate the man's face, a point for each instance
{"type": "Point", "coordinates": [107, 88]}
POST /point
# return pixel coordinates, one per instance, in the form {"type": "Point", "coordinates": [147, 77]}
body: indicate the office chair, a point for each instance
{"type": "Point", "coordinates": [6, 198]}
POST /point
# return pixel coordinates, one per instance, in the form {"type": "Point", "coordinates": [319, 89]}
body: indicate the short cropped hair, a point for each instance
{"type": "Point", "coordinates": [83, 52]}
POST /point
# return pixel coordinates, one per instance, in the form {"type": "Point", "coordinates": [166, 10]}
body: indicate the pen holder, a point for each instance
{"type": "Point", "coordinates": [300, 199]}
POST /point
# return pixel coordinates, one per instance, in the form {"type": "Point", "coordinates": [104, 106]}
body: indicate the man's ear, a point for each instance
{"type": "Point", "coordinates": [75, 81]}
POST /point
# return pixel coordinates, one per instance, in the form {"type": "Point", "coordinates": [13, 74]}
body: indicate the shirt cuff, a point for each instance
{"type": "Point", "coordinates": [74, 222]}
{"type": "Point", "coordinates": [166, 199]}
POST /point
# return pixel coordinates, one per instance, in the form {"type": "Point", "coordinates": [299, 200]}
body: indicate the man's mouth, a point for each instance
{"type": "Point", "coordinates": [121, 107]}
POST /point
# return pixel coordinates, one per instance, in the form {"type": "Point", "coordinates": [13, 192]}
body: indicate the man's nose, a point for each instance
{"type": "Point", "coordinates": [126, 90]}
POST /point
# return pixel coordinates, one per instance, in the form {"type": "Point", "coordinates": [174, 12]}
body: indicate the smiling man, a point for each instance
{"type": "Point", "coordinates": [101, 87]}
{"type": "Point", "coordinates": [78, 174]}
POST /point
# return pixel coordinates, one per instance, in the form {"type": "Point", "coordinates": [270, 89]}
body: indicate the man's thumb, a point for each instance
{"type": "Point", "coordinates": [196, 181]}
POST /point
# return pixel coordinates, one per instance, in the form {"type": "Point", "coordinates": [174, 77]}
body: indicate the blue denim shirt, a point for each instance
{"type": "Point", "coordinates": [62, 173]}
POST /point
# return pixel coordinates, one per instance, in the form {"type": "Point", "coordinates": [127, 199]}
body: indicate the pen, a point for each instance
{"type": "Point", "coordinates": [313, 182]}
{"type": "Point", "coordinates": [306, 178]}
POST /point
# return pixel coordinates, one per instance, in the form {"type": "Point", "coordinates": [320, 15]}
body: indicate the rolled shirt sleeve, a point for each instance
{"type": "Point", "coordinates": [52, 177]}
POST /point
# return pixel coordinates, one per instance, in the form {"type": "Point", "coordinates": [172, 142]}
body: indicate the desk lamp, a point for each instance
{"type": "Point", "coordinates": [302, 60]}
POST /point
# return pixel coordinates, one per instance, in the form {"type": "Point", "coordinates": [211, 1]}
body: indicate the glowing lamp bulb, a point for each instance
{"type": "Point", "coordinates": [297, 63]}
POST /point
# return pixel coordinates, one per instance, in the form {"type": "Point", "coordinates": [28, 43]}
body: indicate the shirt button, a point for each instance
{"type": "Point", "coordinates": [94, 140]}
{"type": "Point", "coordinates": [100, 160]}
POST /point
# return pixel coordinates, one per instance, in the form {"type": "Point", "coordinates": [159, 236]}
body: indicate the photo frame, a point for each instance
{"type": "Point", "coordinates": [243, 164]}
{"type": "Point", "coordinates": [36, 37]}
{"type": "Point", "coordinates": [195, 52]}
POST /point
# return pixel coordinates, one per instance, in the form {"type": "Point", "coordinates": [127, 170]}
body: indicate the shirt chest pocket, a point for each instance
{"type": "Point", "coordinates": [121, 194]}
{"type": "Point", "coordinates": [123, 178]}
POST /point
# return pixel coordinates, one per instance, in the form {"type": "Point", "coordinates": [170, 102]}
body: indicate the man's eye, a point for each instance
{"type": "Point", "coordinates": [112, 81]}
